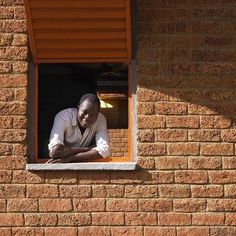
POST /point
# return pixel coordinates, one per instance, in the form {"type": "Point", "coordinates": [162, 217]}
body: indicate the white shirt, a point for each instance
{"type": "Point", "coordinates": [65, 131]}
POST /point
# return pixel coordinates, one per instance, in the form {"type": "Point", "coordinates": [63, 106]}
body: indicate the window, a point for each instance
{"type": "Point", "coordinates": [78, 47]}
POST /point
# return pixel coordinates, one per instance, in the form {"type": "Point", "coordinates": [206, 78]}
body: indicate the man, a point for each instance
{"type": "Point", "coordinates": [74, 130]}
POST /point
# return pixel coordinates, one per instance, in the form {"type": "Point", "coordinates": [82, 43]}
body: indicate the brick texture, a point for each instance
{"type": "Point", "coordinates": [185, 131]}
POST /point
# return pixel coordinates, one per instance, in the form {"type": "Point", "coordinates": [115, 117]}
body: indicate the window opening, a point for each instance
{"type": "Point", "coordinates": [60, 86]}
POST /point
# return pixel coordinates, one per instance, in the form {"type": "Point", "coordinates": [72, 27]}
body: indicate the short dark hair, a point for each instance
{"type": "Point", "coordinates": [93, 98]}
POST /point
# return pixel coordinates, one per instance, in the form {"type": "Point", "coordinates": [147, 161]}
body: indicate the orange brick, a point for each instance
{"type": "Point", "coordinates": [13, 80]}
{"type": "Point", "coordinates": [127, 231]}
{"type": "Point", "coordinates": [149, 95]}
{"type": "Point", "coordinates": [145, 108]}
{"type": "Point", "coordinates": [183, 149]}
{"type": "Point", "coordinates": [150, 149]}
{"type": "Point", "coordinates": [42, 191]}
{"type": "Point", "coordinates": [218, 231]}
{"type": "Point", "coordinates": [40, 219]}
{"type": "Point", "coordinates": [217, 122]}
{"type": "Point", "coordinates": [145, 136]}
{"type": "Point", "coordinates": [6, 94]}
{"type": "Point", "coordinates": [193, 231]}
{"type": "Point", "coordinates": [171, 108]}
{"type": "Point", "coordinates": [160, 204]}
{"type": "Point", "coordinates": [107, 191]}
{"type": "Point", "coordinates": [224, 176]}
{"type": "Point", "coordinates": [89, 204]}
{"type": "Point", "coordinates": [174, 191]}
{"type": "Point", "coordinates": [22, 205]}
{"type": "Point", "coordinates": [145, 162]}
{"type": "Point", "coordinates": [204, 109]}
{"type": "Point", "coordinates": [174, 219]}
{"type": "Point", "coordinates": [189, 205]}
{"type": "Point", "coordinates": [19, 39]}
{"type": "Point", "coordinates": [12, 163]}
{"type": "Point", "coordinates": [204, 162]}
{"type": "Point", "coordinates": [3, 205]}
{"type": "Point", "coordinates": [150, 122]}
{"type": "Point", "coordinates": [93, 177]}
{"type": "Point", "coordinates": [171, 135]}
{"type": "Point", "coordinates": [20, 94]}
{"type": "Point", "coordinates": [27, 231]}
{"type": "Point", "coordinates": [74, 219]}
{"type": "Point", "coordinates": [6, 122]}
{"type": "Point", "coordinates": [13, 108]}
{"type": "Point", "coordinates": [75, 191]}
{"type": "Point", "coordinates": [18, 26]}
{"type": "Point", "coordinates": [121, 177]}
{"type": "Point", "coordinates": [140, 191]}
{"type": "Point", "coordinates": [54, 205]}
{"type": "Point", "coordinates": [229, 162]}
{"type": "Point", "coordinates": [191, 176]}
{"type": "Point", "coordinates": [23, 176]}
{"type": "Point", "coordinates": [160, 231]}
{"type": "Point", "coordinates": [68, 231]}
{"type": "Point", "coordinates": [182, 121]}
{"type": "Point", "coordinates": [5, 176]}
{"type": "Point", "coordinates": [229, 135]}
{"type": "Point", "coordinates": [20, 66]}
{"type": "Point", "coordinates": [219, 149]}
{"type": "Point", "coordinates": [154, 177]}
{"type": "Point", "coordinates": [12, 135]}
{"type": "Point", "coordinates": [171, 163]}
{"type": "Point", "coordinates": [204, 135]}
{"type": "Point", "coordinates": [12, 191]}
{"type": "Point", "coordinates": [206, 191]}
{"type": "Point", "coordinates": [56, 177]}
{"type": "Point", "coordinates": [230, 190]}
{"type": "Point", "coordinates": [140, 218]}
{"type": "Point", "coordinates": [107, 218]}
{"type": "Point", "coordinates": [5, 231]}
{"type": "Point", "coordinates": [221, 205]}
{"type": "Point", "coordinates": [19, 122]}
{"type": "Point", "coordinates": [230, 219]}
{"type": "Point", "coordinates": [20, 149]}
{"type": "Point", "coordinates": [11, 219]}
{"type": "Point", "coordinates": [208, 219]}
{"type": "Point", "coordinates": [121, 205]}
{"type": "Point", "coordinates": [93, 230]}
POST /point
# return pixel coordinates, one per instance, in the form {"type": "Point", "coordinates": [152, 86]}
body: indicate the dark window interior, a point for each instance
{"type": "Point", "coordinates": [60, 86]}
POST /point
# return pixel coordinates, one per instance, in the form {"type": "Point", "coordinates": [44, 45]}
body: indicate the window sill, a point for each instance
{"type": "Point", "coordinates": [84, 166]}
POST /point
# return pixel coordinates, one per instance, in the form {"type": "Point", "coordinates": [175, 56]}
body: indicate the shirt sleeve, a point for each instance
{"type": "Point", "coordinates": [58, 130]}
{"type": "Point", "coordinates": [102, 138]}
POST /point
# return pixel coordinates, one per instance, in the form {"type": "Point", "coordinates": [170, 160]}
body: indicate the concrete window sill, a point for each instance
{"type": "Point", "coordinates": [84, 166]}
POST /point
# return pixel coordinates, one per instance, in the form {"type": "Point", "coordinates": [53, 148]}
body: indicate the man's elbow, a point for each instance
{"type": "Point", "coordinates": [107, 153]}
{"type": "Point", "coordinates": [53, 153]}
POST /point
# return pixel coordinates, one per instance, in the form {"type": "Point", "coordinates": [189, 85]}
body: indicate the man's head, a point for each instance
{"type": "Point", "coordinates": [88, 110]}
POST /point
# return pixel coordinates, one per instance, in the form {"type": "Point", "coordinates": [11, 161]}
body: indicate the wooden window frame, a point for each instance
{"type": "Point", "coordinates": [129, 158]}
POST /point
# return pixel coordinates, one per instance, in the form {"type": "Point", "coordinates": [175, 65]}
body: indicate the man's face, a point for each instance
{"type": "Point", "coordinates": [87, 113]}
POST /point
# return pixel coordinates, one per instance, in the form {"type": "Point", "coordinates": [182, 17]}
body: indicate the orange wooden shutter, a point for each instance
{"type": "Point", "coordinates": [79, 30]}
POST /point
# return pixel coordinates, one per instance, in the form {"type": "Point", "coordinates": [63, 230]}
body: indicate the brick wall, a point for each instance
{"type": "Point", "coordinates": [185, 131]}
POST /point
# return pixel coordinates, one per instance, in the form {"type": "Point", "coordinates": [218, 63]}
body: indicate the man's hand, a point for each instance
{"type": "Point", "coordinates": [59, 160]}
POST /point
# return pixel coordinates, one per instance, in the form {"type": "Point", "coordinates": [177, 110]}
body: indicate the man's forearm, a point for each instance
{"type": "Point", "coordinates": [60, 151]}
{"type": "Point", "coordinates": [91, 154]}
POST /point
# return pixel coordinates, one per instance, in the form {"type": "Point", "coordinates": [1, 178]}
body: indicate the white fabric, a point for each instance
{"type": "Point", "coordinates": [65, 131]}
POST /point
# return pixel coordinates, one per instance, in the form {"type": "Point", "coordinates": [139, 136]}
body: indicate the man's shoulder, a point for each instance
{"type": "Point", "coordinates": [68, 113]}
{"type": "Point", "coordinates": [101, 117]}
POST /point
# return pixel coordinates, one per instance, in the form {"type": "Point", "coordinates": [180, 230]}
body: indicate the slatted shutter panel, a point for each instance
{"type": "Point", "coordinates": [79, 30]}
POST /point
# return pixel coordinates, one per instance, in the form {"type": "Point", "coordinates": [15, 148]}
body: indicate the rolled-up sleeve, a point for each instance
{"type": "Point", "coordinates": [57, 132]}
{"type": "Point", "coordinates": [102, 138]}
